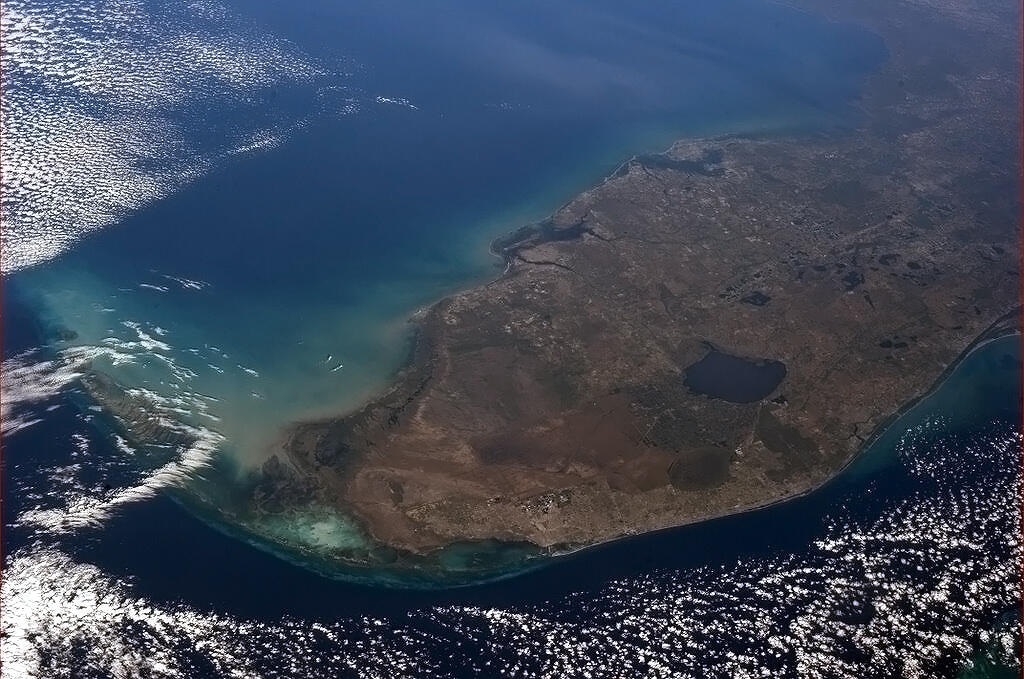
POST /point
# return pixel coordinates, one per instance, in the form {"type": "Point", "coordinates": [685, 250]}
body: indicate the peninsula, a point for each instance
{"type": "Point", "coordinates": [709, 330]}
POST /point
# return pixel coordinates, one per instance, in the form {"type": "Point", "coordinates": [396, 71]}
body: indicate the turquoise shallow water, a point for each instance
{"type": "Point", "coordinates": [913, 552]}
{"type": "Point", "coordinates": [278, 285]}
{"type": "Point", "coordinates": [225, 296]}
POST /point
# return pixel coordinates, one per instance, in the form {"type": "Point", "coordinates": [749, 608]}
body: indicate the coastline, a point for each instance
{"type": "Point", "coordinates": [325, 454]}
{"type": "Point", "coordinates": [440, 386]}
{"type": "Point", "coordinates": [427, 580]}
{"type": "Point", "coordinates": [493, 265]}
{"type": "Point", "coordinates": [993, 334]}
{"type": "Point", "coordinates": [505, 384]}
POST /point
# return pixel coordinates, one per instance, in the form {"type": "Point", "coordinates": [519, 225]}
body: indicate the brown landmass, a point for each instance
{"type": "Point", "coordinates": [549, 406]}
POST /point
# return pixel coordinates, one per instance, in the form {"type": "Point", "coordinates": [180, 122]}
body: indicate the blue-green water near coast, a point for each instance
{"type": "Point", "coordinates": [277, 281]}
{"type": "Point", "coordinates": [912, 545]}
{"type": "Point", "coordinates": [279, 285]}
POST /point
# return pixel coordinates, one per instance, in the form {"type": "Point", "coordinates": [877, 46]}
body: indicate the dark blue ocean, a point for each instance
{"type": "Point", "coordinates": [234, 209]}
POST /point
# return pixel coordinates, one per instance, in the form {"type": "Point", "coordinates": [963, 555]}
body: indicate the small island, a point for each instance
{"type": "Point", "coordinates": [708, 331]}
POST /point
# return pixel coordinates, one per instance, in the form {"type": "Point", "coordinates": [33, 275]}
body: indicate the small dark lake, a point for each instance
{"type": "Point", "coordinates": [734, 379]}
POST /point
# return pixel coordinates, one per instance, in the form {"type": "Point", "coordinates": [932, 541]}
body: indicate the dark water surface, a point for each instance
{"type": "Point", "coordinates": [275, 283]}
{"type": "Point", "coordinates": [924, 509]}
{"type": "Point", "coordinates": [734, 379]}
{"type": "Point", "coordinates": [986, 385]}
